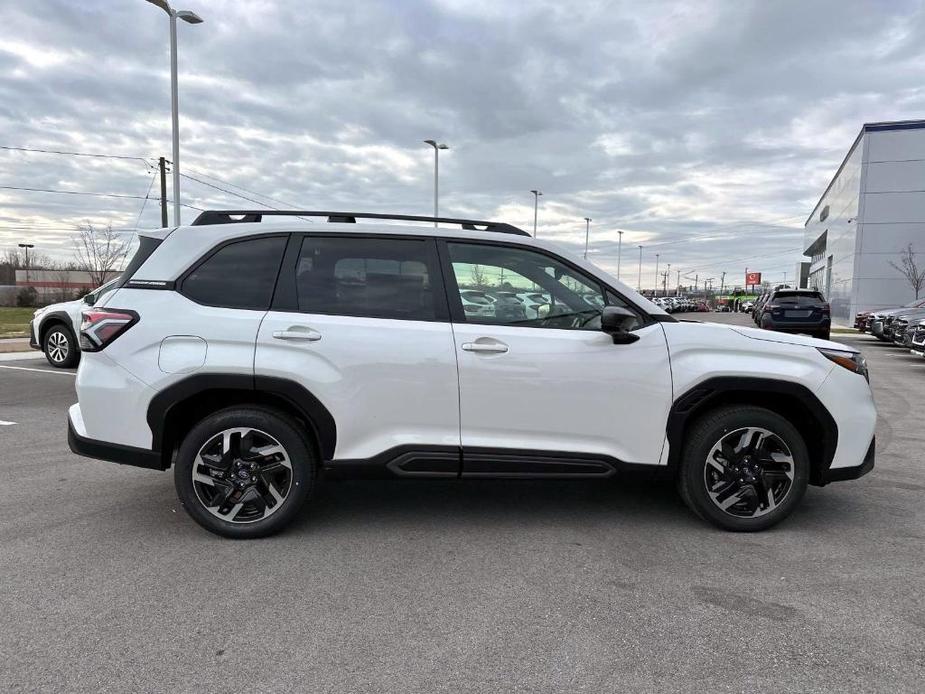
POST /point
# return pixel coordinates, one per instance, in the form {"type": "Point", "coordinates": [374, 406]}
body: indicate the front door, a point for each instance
{"type": "Point", "coordinates": [361, 323]}
{"type": "Point", "coordinates": [541, 388]}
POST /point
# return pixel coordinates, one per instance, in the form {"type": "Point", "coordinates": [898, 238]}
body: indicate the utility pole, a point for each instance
{"type": "Point", "coordinates": [696, 281]}
{"type": "Point", "coordinates": [639, 280]}
{"type": "Point", "coordinates": [536, 204]}
{"type": "Point", "coordinates": [656, 273]}
{"type": "Point", "coordinates": [619, 251]}
{"type": "Point", "coordinates": [162, 165]}
{"type": "Point", "coordinates": [665, 281]}
{"type": "Point", "coordinates": [722, 283]}
{"type": "Point", "coordinates": [746, 280]}
{"type": "Point", "coordinates": [677, 291]}
{"type": "Point", "coordinates": [587, 234]}
{"type": "Point", "coordinates": [26, 246]}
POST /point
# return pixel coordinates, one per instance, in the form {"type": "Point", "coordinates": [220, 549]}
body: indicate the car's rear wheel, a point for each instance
{"type": "Point", "coordinates": [245, 472]}
{"type": "Point", "coordinates": [60, 347]}
{"type": "Point", "coordinates": [743, 468]}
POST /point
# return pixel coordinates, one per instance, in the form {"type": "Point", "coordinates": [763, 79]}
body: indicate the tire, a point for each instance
{"type": "Point", "coordinates": [824, 335]}
{"type": "Point", "coordinates": [237, 492]}
{"type": "Point", "coordinates": [60, 347]}
{"type": "Point", "coordinates": [775, 478]}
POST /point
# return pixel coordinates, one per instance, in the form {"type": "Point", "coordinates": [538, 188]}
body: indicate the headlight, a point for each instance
{"type": "Point", "coordinates": [853, 361]}
{"type": "Point", "coordinates": [38, 312]}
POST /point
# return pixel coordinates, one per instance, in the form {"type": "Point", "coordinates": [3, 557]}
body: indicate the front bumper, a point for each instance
{"type": "Point", "coordinates": [33, 342]}
{"type": "Point", "coordinates": [111, 452]}
{"type": "Point", "coordinates": [852, 473]}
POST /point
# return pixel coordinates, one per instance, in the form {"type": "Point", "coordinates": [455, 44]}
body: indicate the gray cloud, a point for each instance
{"type": "Point", "coordinates": [706, 130]}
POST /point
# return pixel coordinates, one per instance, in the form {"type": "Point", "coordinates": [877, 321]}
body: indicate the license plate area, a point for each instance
{"type": "Point", "coordinates": [797, 314]}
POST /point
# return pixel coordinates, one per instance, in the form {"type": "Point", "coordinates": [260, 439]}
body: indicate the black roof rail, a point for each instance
{"type": "Point", "coordinates": [239, 216]}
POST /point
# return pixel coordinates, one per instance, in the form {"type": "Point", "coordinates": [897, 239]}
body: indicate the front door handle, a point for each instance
{"type": "Point", "coordinates": [487, 347]}
{"type": "Point", "coordinates": [296, 333]}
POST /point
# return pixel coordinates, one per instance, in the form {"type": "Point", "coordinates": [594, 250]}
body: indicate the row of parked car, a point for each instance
{"type": "Point", "coordinates": [508, 306]}
{"type": "Point", "coordinates": [680, 304]}
{"type": "Point", "coordinates": [904, 326]}
{"type": "Point", "coordinates": [789, 310]}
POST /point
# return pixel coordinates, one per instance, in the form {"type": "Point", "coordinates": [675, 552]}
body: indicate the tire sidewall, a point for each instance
{"type": "Point", "coordinates": [279, 426]}
{"type": "Point", "coordinates": [707, 432]}
{"type": "Point", "coordinates": [73, 351]}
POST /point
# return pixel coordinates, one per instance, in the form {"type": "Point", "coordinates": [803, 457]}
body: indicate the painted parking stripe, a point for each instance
{"type": "Point", "coordinates": [6, 424]}
{"type": "Point", "coordinates": [43, 371]}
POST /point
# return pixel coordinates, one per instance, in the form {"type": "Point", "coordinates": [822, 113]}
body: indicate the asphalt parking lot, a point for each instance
{"type": "Point", "coordinates": [470, 586]}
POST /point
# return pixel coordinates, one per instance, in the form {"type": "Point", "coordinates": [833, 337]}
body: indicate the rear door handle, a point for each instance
{"type": "Point", "coordinates": [489, 347]}
{"type": "Point", "coordinates": [295, 333]}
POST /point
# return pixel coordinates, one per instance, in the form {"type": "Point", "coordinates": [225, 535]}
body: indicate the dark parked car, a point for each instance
{"type": "Point", "coordinates": [917, 339]}
{"type": "Point", "coordinates": [797, 311]}
{"type": "Point", "coordinates": [899, 327]}
{"type": "Point", "coordinates": [879, 322]}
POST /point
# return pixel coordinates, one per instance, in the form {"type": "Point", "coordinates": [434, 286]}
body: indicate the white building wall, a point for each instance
{"type": "Point", "coordinates": [893, 216]}
{"type": "Point", "coordinates": [876, 208]}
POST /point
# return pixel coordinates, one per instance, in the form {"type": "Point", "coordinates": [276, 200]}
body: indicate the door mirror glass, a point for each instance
{"type": "Point", "coordinates": [89, 299]}
{"type": "Point", "coordinates": [617, 322]}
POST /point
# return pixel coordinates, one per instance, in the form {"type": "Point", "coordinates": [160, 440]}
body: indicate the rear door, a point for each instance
{"type": "Point", "coordinates": [361, 322]}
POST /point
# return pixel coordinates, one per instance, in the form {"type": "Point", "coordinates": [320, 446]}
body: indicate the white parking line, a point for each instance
{"type": "Point", "coordinates": [43, 371]}
{"type": "Point", "coordinates": [6, 424]}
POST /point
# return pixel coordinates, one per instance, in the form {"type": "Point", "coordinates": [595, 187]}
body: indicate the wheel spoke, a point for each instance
{"type": "Point", "coordinates": [728, 495]}
{"type": "Point", "coordinates": [765, 496]}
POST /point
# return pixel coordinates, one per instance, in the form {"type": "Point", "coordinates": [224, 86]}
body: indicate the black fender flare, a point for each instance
{"type": "Point", "coordinates": [294, 394]}
{"type": "Point", "coordinates": [52, 319]}
{"type": "Point", "coordinates": [715, 391]}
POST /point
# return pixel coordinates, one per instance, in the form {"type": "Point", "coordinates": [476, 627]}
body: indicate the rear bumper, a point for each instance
{"type": "Point", "coordinates": [852, 473]}
{"type": "Point", "coordinates": [110, 452]}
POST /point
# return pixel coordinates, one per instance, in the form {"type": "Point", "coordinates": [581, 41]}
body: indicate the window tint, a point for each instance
{"type": "Point", "coordinates": [376, 278]}
{"type": "Point", "coordinates": [239, 275]}
{"type": "Point", "coordinates": [518, 286]}
{"type": "Point", "coordinates": [799, 298]}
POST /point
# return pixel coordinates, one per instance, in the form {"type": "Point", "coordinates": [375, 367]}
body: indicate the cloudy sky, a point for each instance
{"type": "Point", "coordinates": [705, 130]}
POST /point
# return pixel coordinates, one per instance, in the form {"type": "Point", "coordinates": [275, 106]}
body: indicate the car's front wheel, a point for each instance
{"type": "Point", "coordinates": [743, 468]}
{"type": "Point", "coordinates": [245, 472]}
{"type": "Point", "coordinates": [60, 347]}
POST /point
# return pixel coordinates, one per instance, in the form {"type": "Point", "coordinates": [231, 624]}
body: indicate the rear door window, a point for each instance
{"type": "Point", "coordinates": [371, 277]}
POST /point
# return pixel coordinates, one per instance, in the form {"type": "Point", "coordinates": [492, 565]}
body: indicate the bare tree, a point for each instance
{"type": "Point", "coordinates": [478, 276]}
{"type": "Point", "coordinates": [16, 259]}
{"type": "Point", "coordinates": [909, 269]}
{"type": "Point", "coordinates": [99, 252]}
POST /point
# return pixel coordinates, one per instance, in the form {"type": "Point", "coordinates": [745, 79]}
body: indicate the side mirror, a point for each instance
{"type": "Point", "coordinates": [617, 321]}
{"type": "Point", "coordinates": [89, 299]}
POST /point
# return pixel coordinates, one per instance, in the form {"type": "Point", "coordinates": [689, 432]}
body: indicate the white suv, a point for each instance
{"type": "Point", "coordinates": [53, 328]}
{"type": "Point", "coordinates": [256, 357]}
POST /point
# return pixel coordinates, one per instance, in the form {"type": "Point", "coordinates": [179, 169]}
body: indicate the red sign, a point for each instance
{"type": "Point", "coordinates": [752, 278]}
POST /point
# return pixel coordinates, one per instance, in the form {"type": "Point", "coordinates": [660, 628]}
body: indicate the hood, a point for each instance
{"type": "Point", "coordinates": [60, 306]}
{"type": "Point", "coordinates": [789, 339]}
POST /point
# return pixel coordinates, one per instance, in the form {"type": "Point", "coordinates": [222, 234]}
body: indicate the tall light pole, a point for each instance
{"type": "Point", "coordinates": [437, 147]}
{"type": "Point", "coordinates": [665, 281]}
{"type": "Point", "coordinates": [190, 18]}
{"type": "Point", "coordinates": [26, 246]}
{"type": "Point", "coordinates": [677, 291]}
{"type": "Point", "coordinates": [656, 273]}
{"type": "Point", "coordinates": [536, 204]}
{"type": "Point", "coordinates": [587, 234]}
{"type": "Point", "coordinates": [619, 251]}
{"type": "Point", "coordinates": [639, 279]}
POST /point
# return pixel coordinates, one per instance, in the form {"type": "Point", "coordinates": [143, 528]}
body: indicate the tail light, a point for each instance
{"type": "Point", "coordinates": [101, 326]}
{"type": "Point", "coordinates": [826, 309]}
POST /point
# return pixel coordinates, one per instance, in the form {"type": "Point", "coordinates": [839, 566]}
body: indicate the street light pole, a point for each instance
{"type": "Point", "coordinates": [665, 281]}
{"type": "Point", "coordinates": [656, 273]}
{"type": "Point", "coordinates": [619, 251]}
{"type": "Point", "coordinates": [536, 203]}
{"type": "Point", "coordinates": [587, 234]}
{"type": "Point", "coordinates": [677, 291]}
{"type": "Point", "coordinates": [190, 18]}
{"type": "Point", "coordinates": [639, 279]}
{"type": "Point", "coordinates": [437, 147]}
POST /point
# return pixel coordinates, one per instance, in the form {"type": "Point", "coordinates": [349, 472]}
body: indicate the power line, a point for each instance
{"type": "Point", "coordinates": [82, 192]}
{"type": "Point", "coordinates": [147, 195]}
{"type": "Point", "coordinates": [246, 190]}
{"type": "Point", "coordinates": [72, 154]}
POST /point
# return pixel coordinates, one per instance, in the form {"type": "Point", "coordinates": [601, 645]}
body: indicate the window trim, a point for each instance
{"type": "Point", "coordinates": [458, 315]}
{"type": "Point", "coordinates": [286, 297]}
{"type": "Point", "coordinates": [181, 281]}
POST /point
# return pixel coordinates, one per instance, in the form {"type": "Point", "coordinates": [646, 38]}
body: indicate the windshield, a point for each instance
{"type": "Point", "coordinates": [799, 298]}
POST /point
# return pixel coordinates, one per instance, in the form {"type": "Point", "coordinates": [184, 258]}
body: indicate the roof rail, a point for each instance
{"type": "Point", "coordinates": [238, 216]}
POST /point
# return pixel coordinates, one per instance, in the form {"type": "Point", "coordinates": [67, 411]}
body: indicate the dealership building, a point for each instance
{"type": "Point", "coordinates": [869, 214]}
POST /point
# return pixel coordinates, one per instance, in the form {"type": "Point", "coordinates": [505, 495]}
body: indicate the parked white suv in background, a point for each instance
{"type": "Point", "coordinates": [255, 357]}
{"type": "Point", "coordinates": [53, 328]}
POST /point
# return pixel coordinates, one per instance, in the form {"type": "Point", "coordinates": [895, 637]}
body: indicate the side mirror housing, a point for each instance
{"type": "Point", "coordinates": [89, 299]}
{"type": "Point", "coordinates": [617, 321]}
